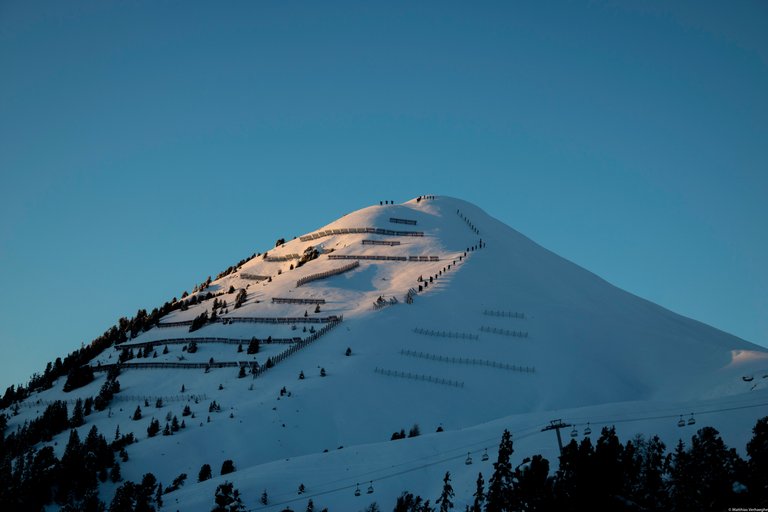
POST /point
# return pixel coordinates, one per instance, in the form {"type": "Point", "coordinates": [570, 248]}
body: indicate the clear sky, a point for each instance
{"type": "Point", "coordinates": [146, 145]}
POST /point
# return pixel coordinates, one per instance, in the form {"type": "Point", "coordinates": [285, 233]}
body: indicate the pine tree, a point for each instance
{"type": "Point", "coordinates": [479, 495]}
{"type": "Point", "coordinates": [264, 498]}
{"type": "Point", "coordinates": [205, 473]}
{"type": "Point", "coordinates": [227, 499]}
{"type": "Point", "coordinates": [227, 467]}
{"type": "Point", "coordinates": [137, 413]}
{"type": "Point", "coordinates": [114, 473]}
{"type": "Point", "coordinates": [500, 484]}
{"type": "Point", "coordinates": [77, 414]}
{"type": "Point", "coordinates": [445, 497]}
{"type": "Point", "coordinates": [757, 449]}
{"type": "Point", "coordinates": [153, 428]}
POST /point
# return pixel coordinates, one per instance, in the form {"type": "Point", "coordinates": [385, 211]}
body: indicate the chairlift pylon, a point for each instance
{"type": "Point", "coordinates": [681, 422]}
{"type": "Point", "coordinates": [485, 455]}
{"type": "Point", "coordinates": [469, 460]}
{"type": "Point", "coordinates": [357, 490]}
{"type": "Point", "coordinates": [691, 420]}
{"type": "Point", "coordinates": [370, 488]}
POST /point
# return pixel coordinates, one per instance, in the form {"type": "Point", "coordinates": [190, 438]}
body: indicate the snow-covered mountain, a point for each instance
{"type": "Point", "coordinates": [453, 320]}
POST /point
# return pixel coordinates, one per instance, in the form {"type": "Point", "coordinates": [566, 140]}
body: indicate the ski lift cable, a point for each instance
{"type": "Point", "coordinates": [289, 497]}
{"type": "Point", "coordinates": [533, 431]}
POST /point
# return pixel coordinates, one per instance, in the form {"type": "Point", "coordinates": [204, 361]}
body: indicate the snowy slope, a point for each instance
{"type": "Point", "coordinates": [583, 350]}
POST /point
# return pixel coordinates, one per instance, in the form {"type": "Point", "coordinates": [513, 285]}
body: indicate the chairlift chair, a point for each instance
{"type": "Point", "coordinates": [485, 455]}
{"type": "Point", "coordinates": [587, 431]}
{"type": "Point", "coordinates": [469, 460]}
{"type": "Point", "coordinates": [681, 422]}
{"type": "Point", "coordinates": [370, 488]}
{"type": "Point", "coordinates": [357, 490]}
{"type": "Point", "coordinates": [691, 420]}
{"type": "Point", "coordinates": [574, 432]}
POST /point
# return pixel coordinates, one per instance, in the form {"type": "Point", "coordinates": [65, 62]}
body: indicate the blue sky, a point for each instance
{"type": "Point", "coordinates": [146, 145]}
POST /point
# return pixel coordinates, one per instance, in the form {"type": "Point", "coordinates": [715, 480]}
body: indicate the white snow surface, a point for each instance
{"type": "Point", "coordinates": [598, 354]}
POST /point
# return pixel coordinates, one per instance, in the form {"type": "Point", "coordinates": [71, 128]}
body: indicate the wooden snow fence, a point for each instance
{"type": "Point", "coordinates": [283, 300]}
{"type": "Point", "coordinates": [282, 320]}
{"type": "Point", "coordinates": [417, 376]}
{"type": "Point", "coordinates": [287, 257]}
{"type": "Point", "coordinates": [381, 303]}
{"type": "Point", "coordinates": [447, 334]}
{"type": "Point", "coordinates": [346, 231]}
{"type": "Point", "coordinates": [469, 223]}
{"type": "Point", "coordinates": [468, 360]}
{"type": "Point", "coordinates": [174, 324]}
{"type": "Point", "coordinates": [172, 365]}
{"type": "Point", "coordinates": [391, 243]}
{"type": "Point", "coordinates": [395, 220]}
{"type": "Point", "coordinates": [253, 277]}
{"type": "Point", "coordinates": [256, 369]}
{"type": "Point", "coordinates": [504, 332]}
{"type": "Point", "coordinates": [184, 341]}
{"type": "Point", "coordinates": [328, 273]}
{"type": "Point", "coordinates": [261, 320]}
{"type": "Point", "coordinates": [506, 314]}
{"type": "Point", "coordinates": [381, 258]}
{"type": "Point", "coordinates": [365, 257]}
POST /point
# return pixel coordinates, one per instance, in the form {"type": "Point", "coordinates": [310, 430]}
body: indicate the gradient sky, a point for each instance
{"type": "Point", "coordinates": [146, 145]}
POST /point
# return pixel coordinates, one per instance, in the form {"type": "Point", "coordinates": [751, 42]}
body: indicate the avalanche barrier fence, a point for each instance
{"type": "Point", "coordinates": [328, 273]}
{"type": "Point", "coordinates": [468, 360]}
{"type": "Point", "coordinates": [504, 332]}
{"type": "Point", "coordinates": [447, 334]}
{"type": "Point", "coordinates": [416, 376]}
{"type": "Point", "coordinates": [506, 314]}
{"type": "Point", "coordinates": [346, 231]}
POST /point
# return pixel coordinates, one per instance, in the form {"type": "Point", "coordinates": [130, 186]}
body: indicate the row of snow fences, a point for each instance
{"type": "Point", "coordinates": [184, 341]}
{"type": "Point", "coordinates": [416, 376]}
{"type": "Point", "coordinates": [256, 369]}
{"type": "Point", "coordinates": [287, 257]}
{"type": "Point", "coordinates": [256, 372]}
{"type": "Point", "coordinates": [378, 304]}
{"type": "Point", "coordinates": [261, 320]}
{"type": "Point", "coordinates": [172, 365]}
{"type": "Point", "coordinates": [468, 360]}
{"type": "Point", "coordinates": [282, 300]}
{"type": "Point", "coordinates": [447, 334]}
{"type": "Point", "coordinates": [504, 332]}
{"type": "Point", "coordinates": [282, 320]}
{"type": "Point", "coordinates": [122, 397]}
{"type": "Point", "coordinates": [253, 277]}
{"type": "Point", "coordinates": [328, 273]}
{"type": "Point", "coordinates": [381, 258]}
{"type": "Point", "coordinates": [506, 314]}
{"type": "Point", "coordinates": [395, 220]}
{"type": "Point", "coordinates": [390, 243]}
{"type": "Point", "coordinates": [469, 223]}
{"type": "Point", "coordinates": [349, 231]}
